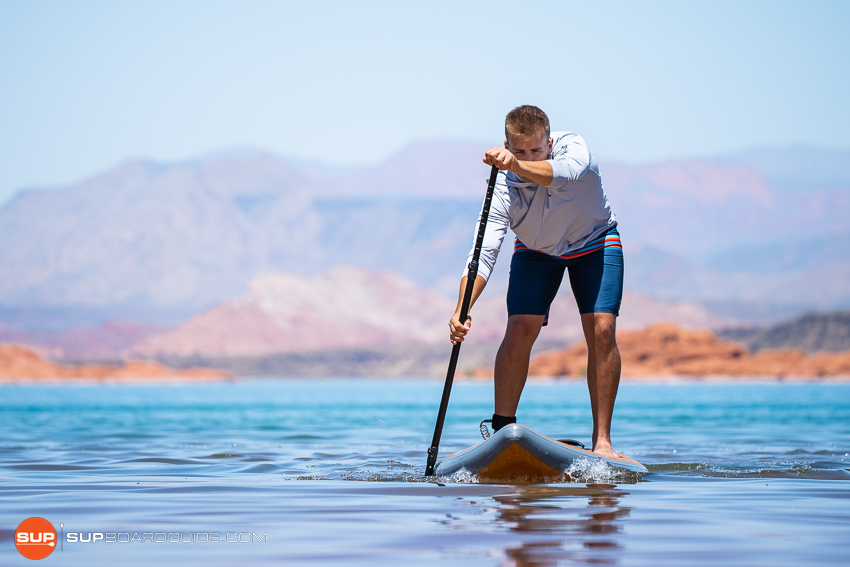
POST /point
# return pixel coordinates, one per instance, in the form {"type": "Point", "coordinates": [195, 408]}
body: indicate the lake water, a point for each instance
{"type": "Point", "coordinates": [329, 472]}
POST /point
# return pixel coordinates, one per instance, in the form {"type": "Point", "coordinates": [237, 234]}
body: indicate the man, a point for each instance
{"type": "Point", "coordinates": [549, 192]}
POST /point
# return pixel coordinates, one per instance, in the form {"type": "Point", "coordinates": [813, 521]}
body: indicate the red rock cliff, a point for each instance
{"type": "Point", "coordinates": [21, 363]}
{"type": "Point", "coordinates": [668, 350]}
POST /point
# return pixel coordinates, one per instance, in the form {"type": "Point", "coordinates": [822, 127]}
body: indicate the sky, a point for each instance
{"type": "Point", "coordinates": [85, 85]}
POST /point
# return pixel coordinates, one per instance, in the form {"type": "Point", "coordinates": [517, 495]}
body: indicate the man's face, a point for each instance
{"type": "Point", "coordinates": [530, 148]}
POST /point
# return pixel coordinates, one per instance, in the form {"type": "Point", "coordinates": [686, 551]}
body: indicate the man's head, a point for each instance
{"type": "Point", "coordinates": [527, 133]}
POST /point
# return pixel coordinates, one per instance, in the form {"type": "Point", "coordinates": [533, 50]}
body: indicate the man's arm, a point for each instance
{"type": "Point", "coordinates": [538, 171]}
{"type": "Point", "coordinates": [570, 160]}
{"type": "Point", "coordinates": [458, 330]}
{"type": "Point", "coordinates": [494, 233]}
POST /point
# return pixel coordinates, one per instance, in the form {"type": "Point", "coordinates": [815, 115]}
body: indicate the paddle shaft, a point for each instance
{"type": "Point", "coordinates": [471, 276]}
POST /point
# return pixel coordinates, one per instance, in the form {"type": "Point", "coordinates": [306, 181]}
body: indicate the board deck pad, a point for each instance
{"type": "Point", "coordinates": [518, 453]}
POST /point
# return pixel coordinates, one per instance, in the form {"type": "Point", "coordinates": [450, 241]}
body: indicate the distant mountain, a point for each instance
{"type": "Point", "coordinates": [800, 168]}
{"type": "Point", "coordinates": [158, 243]}
{"type": "Point", "coordinates": [759, 282]}
{"type": "Point", "coordinates": [351, 308]}
{"type": "Point", "coordinates": [105, 342]}
{"type": "Point", "coordinates": [813, 332]}
{"type": "Point", "coordinates": [346, 308]}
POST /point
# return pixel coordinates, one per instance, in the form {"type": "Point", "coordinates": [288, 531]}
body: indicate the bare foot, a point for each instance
{"type": "Point", "coordinates": [608, 452]}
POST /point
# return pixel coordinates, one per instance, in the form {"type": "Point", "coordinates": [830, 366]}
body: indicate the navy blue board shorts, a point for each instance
{"type": "Point", "coordinates": [596, 276]}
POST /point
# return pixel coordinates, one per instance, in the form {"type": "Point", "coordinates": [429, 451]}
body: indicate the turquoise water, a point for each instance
{"type": "Point", "coordinates": [331, 472]}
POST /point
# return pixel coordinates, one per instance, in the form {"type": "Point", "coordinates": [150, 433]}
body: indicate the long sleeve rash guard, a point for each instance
{"type": "Point", "coordinates": [557, 219]}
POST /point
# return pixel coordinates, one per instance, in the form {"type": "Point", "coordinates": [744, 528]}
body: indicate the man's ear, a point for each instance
{"type": "Point", "coordinates": [507, 147]}
{"type": "Point", "coordinates": [551, 141]}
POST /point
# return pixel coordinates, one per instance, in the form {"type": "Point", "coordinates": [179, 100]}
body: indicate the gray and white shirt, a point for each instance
{"type": "Point", "coordinates": [557, 219]}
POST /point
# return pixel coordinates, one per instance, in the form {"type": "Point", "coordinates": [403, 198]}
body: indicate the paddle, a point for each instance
{"type": "Point", "coordinates": [464, 311]}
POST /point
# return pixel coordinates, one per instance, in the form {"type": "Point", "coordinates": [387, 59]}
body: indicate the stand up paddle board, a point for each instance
{"type": "Point", "coordinates": [517, 452]}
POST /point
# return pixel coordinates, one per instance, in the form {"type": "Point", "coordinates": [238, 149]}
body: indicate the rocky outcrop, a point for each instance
{"type": "Point", "coordinates": [667, 350]}
{"type": "Point", "coordinates": [21, 363]}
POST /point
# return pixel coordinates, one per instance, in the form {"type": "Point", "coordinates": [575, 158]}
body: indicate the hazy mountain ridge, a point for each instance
{"type": "Point", "coordinates": [797, 168]}
{"type": "Point", "coordinates": [160, 242]}
{"type": "Point", "coordinates": [189, 236]}
{"type": "Point", "coordinates": [813, 332]}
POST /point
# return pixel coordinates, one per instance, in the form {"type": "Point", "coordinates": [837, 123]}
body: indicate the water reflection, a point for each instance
{"type": "Point", "coordinates": [563, 524]}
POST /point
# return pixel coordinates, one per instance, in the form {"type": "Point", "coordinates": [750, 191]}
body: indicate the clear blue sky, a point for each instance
{"type": "Point", "coordinates": [85, 85]}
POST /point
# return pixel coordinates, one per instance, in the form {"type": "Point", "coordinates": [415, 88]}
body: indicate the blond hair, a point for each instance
{"type": "Point", "coordinates": [526, 120]}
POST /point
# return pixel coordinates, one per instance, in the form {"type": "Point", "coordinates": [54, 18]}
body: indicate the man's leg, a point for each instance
{"type": "Point", "coordinates": [512, 361]}
{"type": "Point", "coordinates": [603, 375]}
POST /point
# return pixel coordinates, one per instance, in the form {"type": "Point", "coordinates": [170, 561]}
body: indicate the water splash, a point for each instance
{"type": "Point", "coordinates": [462, 476]}
{"type": "Point", "coordinates": [586, 469]}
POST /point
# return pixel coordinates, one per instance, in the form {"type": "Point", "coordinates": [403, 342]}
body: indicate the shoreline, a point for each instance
{"type": "Point", "coordinates": [180, 380]}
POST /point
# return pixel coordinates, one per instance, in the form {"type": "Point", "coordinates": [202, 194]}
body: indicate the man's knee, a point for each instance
{"type": "Point", "coordinates": [600, 330]}
{"type": "Point", "coordinates": [605, 331]}
{"type": "Point", "coordinates": [524, 328]}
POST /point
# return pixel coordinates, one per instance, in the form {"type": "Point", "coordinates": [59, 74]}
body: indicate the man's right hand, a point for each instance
{"type": "Point", "coordinates": [501, 157]}
{"type": "Point", "coordinates": [457, 330]}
